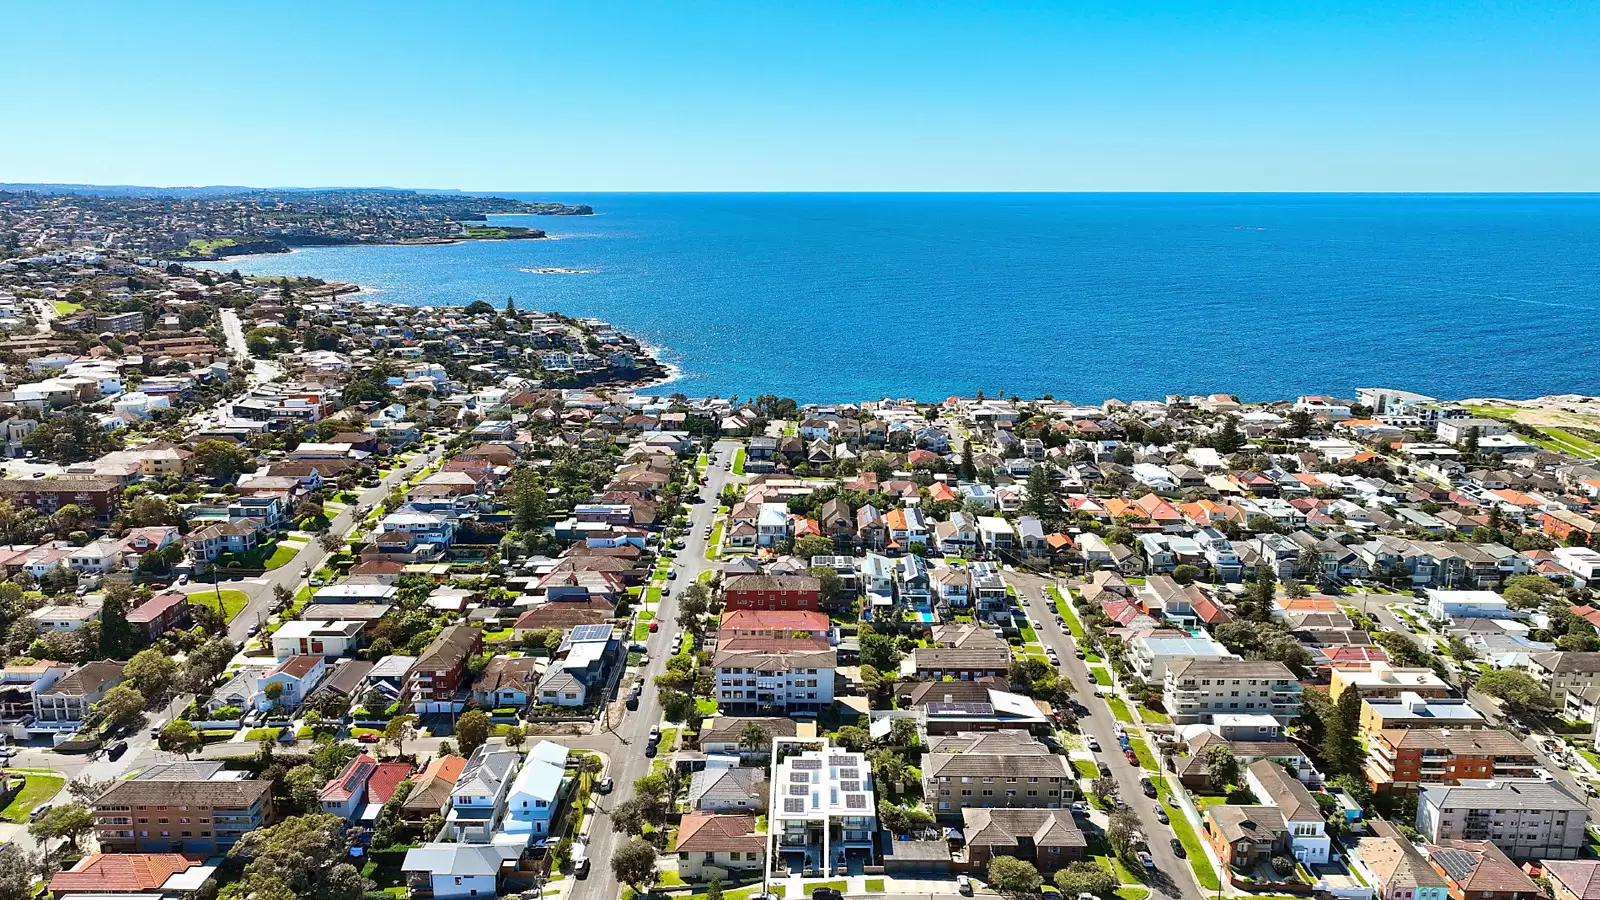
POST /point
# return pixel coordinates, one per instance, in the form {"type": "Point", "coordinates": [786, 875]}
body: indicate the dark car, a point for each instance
{"type": "Point", "coordinates": [1177, 849]}
{"type": "Point", "coordinates": [1105, 769]}
{"type": "Point", "coordinates": [825, 893]}
{"type": "Point", "coordinates": [581, 868]}
{"type": "Point", "coordinates": [650, 750]}
{"type": "Point", "coordinates": [116, 750]}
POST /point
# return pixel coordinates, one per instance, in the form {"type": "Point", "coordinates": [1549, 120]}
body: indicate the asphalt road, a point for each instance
{"type": "Point", "coordinates": [1172, 876]}
{"type": "Point", "coordinates": [628, 762]}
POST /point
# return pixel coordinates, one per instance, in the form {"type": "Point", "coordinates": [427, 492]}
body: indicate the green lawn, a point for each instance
{"type": "Point", "coordinates": [705, 706]}
{"type": "Point", "coordinates": [838, 884]}
{"type": "Point", "coordinates": [776, 890]}
{"type": "Point", "coordinates": [65, 307]}
{"type": "Point", "coordinates": [494, 637]}
{"type": "Point", "coordinates": [39, 788]}
{"type": "Point", "coordinates": [260, 734]}
{"type": "Point", "coordinates": [1572, 443]}
{"type": "Point", "coordinates": [1146, 759]}
{"type": "Point", "coordinates": [1119, 709]}
{"type": "Point", "coordinates": [653, 595]}
{"type": "Point", "coordinates": [1067, 612]}
{"type": "Point", "coordinates": [1132, 893]}
{"type": "Point", "coordinates": [282, 555]}
{"type": "Point", "coordinates": [714, 545]}
{"type": "Point", "coordinates": [641, 631]}
{"type": "Point", "coordinates": [1101, 676]}
{"type": "Point", "coordinates": [1155, 716]}
{"type": "Point", "coordinates": [1113, 865]}
{"type": "Point", "coordinates": [874, 885]}
{"type": "Point", "coordinates": [738, 469]}
{"type": "Point", "coordinates": [1086, 768]}
{"type": "Point", "coordinates": [231, 603]}
{"type": "Point", "coordinates": [1198, 861]}
{"type": "Point", "coordinates": [1029, 636]}
{"type": "Point", "coordinates": [1588, 755]}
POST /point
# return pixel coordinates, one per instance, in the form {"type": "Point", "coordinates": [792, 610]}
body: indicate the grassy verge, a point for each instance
{"type": "Point", "coordinates": [263, 734]}
{"type": "Point", "coordinates": [1101, 676]}
{"type": "Point", "coordinates": [714, 544]}
{"type": "Point", "coordinates": [1119, 709]}
{"type": "Point", "coordinates": [66, 307]}
{"type": "Point", "coordinates": [738, 461]}
{"type": "Point", "coordinates": [37, 789]}
{"type": "Point", "coordinates": [838, 884]}
{"type": "Point", "coordinates": [1198, 861]}
{"type": "Point", "coordinates": [874, 885]}
{"type": "Point", "coordinates": [1067, 612]}
{"type": "Point", "coordinates": [282, 555]}
{"type": "Point", "coordinates": [1146, 758]}
{"type": "Point", "coordinates": [228, 607]}
{"type": "Point", "coordinates": [1155, 716]}
{"type": "Point", "coordinates": [1086, 768]}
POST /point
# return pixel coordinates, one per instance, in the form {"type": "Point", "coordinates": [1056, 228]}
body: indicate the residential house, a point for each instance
{"type": "Point", "coordinates": [1152, 654]}
{"type": "Point", "coordinates": [297, 676]}
{"type": "Point", "coordinates": [537, 792]}
{"type": "Point", "coordinates": [767, 675]}
{"type": "Point", "coordinates": [62, 706]}
{"type": "Point", "coordinates": [479, 799]}
{"type": "Point", "coordinates": [457, 871]}
{"type": "Point", "coordinates": [507, 682]}
{"type": "Point", "coordinates": [147, 875]}
{"type": "Point", "coordinates": [307, 637]}
{"type": "Point", "coordinates": [430, 791]}
{"type": "Point", "coordinates": [359, 792]}
{"type": "Point", "coordinates": [1577, 879]}
{"type": "Point", "coordinates": [725, 735]}
{"type": "Point", "coordinates": [724, 786]}
{"type": "Point", "coordinates": [1413, 711]}
{"type": "Point", "coordinates": [712, 845]}
{"type": "Point", "coordinates": [1047, 838]}
{"type": "Point", "coordinates": [1478, 870]}
{"type": "Point", "coordinates": [1308, 839]}
{"type": "Point", "coordinates": [1397, 870]}
{"type": "Point", "coordinates": [823, 803]}
{"type": "Point", "coordinates": [164, 612]}
{"type": "Point", "coordinates": [1245, 837]}
{"type": "Point", "coordinates": [772, 592]}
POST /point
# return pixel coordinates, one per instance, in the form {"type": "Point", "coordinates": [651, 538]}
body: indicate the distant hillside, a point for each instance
{"type": "Point", "coordinates": [207, 191]}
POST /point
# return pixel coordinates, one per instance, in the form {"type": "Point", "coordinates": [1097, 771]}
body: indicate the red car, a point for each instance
{"type": "Point", "coordinates": [1131, 757]}
{"type": "Point", "coordinates": [654, 627]}
{"type": "Point", "coordinates": [368, 738]}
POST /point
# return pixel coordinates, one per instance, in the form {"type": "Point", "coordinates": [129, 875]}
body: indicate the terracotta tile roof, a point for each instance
{"type": "Point", "coordinates": [121, 873]}
{"type": "Point", "coordinates": [701, 832]}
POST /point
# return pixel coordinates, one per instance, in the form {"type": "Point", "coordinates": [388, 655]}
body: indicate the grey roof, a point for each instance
{"type": "Point", "coordinates": [730, 783]}
{"type": "Point", "coordinates": [1567, 663]}
{"type": "Point", "coordinates": [459, 859]}
{"type": "Point", "coordinates": [486, 771]}
{"type": "Point", "coordinates": [1517, 793]}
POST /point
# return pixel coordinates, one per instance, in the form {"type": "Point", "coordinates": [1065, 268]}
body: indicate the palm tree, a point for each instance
{"type": "Point", "coordinates": [754, 738]}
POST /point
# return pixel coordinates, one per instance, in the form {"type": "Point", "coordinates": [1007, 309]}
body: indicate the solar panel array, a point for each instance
{"type": "Point", "coordinates": [855, 801]}
{"type": "Point", "coordinates": [359, 776]}
{"type": "Point", "coordinates": [841, 760]}
{"type": "Point", "coordinates": [591, 633]}
{"type": "Point", "coordinates": [850, 785]}
{"type": "Point", "coordinates": [804, 763]}
{"type": "Point", "coordinates": [1457, 864]}
{"type": "Point", "coordinates": [799, 790]}
{"type": "Point", "coordinates": [960, 709]}
{"type": "Point", "coordinates": [791, 805]}
{"type": "Point", "coordinates": [850, 773]}
{"type": "Point", "coordinates": [799, 777]}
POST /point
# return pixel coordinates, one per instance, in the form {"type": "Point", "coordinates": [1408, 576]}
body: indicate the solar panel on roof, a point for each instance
{"type": "Point", "coordinates": [799, 777]}
{"type": "Point", "coordinates": [1456, 863]}
{"type": "Point", "coordinates": [358, 776]}
{"type": "Point", "coordinates": [855, 801]}
{"type": "Point", "coordinates": [850, 785]}
{"type": "Point", "coordinates": [591, 632]}
{"type": "Point", "coordinates": [850, 773]}
{"type": "Point", "coordinates": [960, 709]}
{"type": "Point", "coordinates": [792, 805]}
{"type": "Point", "coordinates": [841, 760]}
{"type": "Point", "coordinates": [807, 764]}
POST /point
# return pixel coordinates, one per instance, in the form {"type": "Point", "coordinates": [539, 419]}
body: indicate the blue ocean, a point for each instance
{"type": "Point", "coordinates": [841, 297]}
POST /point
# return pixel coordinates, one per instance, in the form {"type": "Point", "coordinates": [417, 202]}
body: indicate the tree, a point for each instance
{"type": "Point", "coordinates": [903, 733]}
{"type": "Point", "coordinates": [693, 603]}
{"type": "Point", "coordinates": [1085, 878]}
{"type": "Point", "coordinates": [1222, 767]}
{"type": "Point", "coordinates": [1340, 751]}
{"type": "Point", "coordinates": [1282, 865]}
{"type": "Point", "coordinates": [180, 737]}
{"type": "Point", "coordinates": [813, 545]}
{"type": "Point", "coordinates": [853, 738]}
{"type": "Point", "coordinates": [634, 864]}
{"type": "Point", "coordinates": [305, 783]}
{"type": "Point", "coordinates": [1228, 439]}
{"type": "Point", "coordinates": [472, 730]}
{"type": "Point", "coordinates": [714, 889]}
{"type": "Point", "coordinates": [304, 853]}
{"type": "Point", "coordinates": [117, 636]}
{"type": "Point", "coordinates": [152, 672]}
{"type": "Point", "coordinates": [516, 736]}
{"type": "Point", "coordinates": [968, 470]}
{"type": "Point", "coordinates": [16, 873]}
{"type": "Point", "coordinates": [1186, 574]}
{"type": "Point", "coordinates": [86, 790]}
{"type": "Point", "coordinates": [630, 816]}
{"type": "Point", "coordinates": [1010, 875]}
{"type": "Point", "coordinates": [1519, 690]}
{"type": "Point", "coordinates": [1041, 490]}
{"type": "Point", "coordinates": [1103, 789]}
{"type": "Point", "coordinates": [399, 730]}
{"type": "Point", "coordinates": [121, 707]}
{"type": "Point", "coordinates": [753, 738]}
{"type": "Point", "coordinates": [220, 459]}
{"type": "Point", "coordinates": [68, 822]}
{"type": "Point", "coordinates": [1123, 824]}
{"type": "Point", "coordinates": [676, 705]}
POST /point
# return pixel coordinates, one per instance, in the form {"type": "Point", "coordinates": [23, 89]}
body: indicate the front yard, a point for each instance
{"type": "Point", "coordinates": [39, 788]}
{"type": "Point", "coordinates": [229, 605]}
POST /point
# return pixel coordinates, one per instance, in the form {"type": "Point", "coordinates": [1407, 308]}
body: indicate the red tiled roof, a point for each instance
{"type": "Point", "coordinates": [155, 607]}
{"type": "Point", "coordinates": [121, 873]}
{"type": "Point", "coordinates": [774, 620]}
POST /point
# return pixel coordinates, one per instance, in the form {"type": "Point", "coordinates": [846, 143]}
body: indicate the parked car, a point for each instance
{"type": "Point", "coordinates": [38, 812]}
{"type": "Point", "coordinates": [672, 575]}
{"type": "Point", "coordinates": [826, 893]}
{"type": "Point", "coordinates": [1094, 745]}
{"type": "Point", "coordinates": [1146, 860]}
{"type": "Point", "coordinates": [1177, 848]}
{"type": "Point", "coordinates": [605, 785]}
{"type": "Point", "coordinates": [581, 868]}
{"type": "Point", "coordinates": [964, 885]}
{"type": "Point", "coordinates": [1105, 769]}
{"type": "Point", "coordinates": [367, 738]}
{"type": "Point", "coordinates": [654, 626]}
{"type": "Point", "coordinates": [1161, 816]}
{"type": "Point", "coordinates": [116, 750]}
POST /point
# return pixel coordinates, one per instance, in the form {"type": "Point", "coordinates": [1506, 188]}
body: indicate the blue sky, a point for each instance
{"type": "Point", "coordinates": [595, 96]}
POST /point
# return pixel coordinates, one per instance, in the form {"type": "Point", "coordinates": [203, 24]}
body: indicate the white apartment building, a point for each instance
{"type": "Point", "coordinates": [822, 811]}
{"type": "Point", "coordinates": [1198, 689]}
{"type": "Point", "coordinates": [764, 677]}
